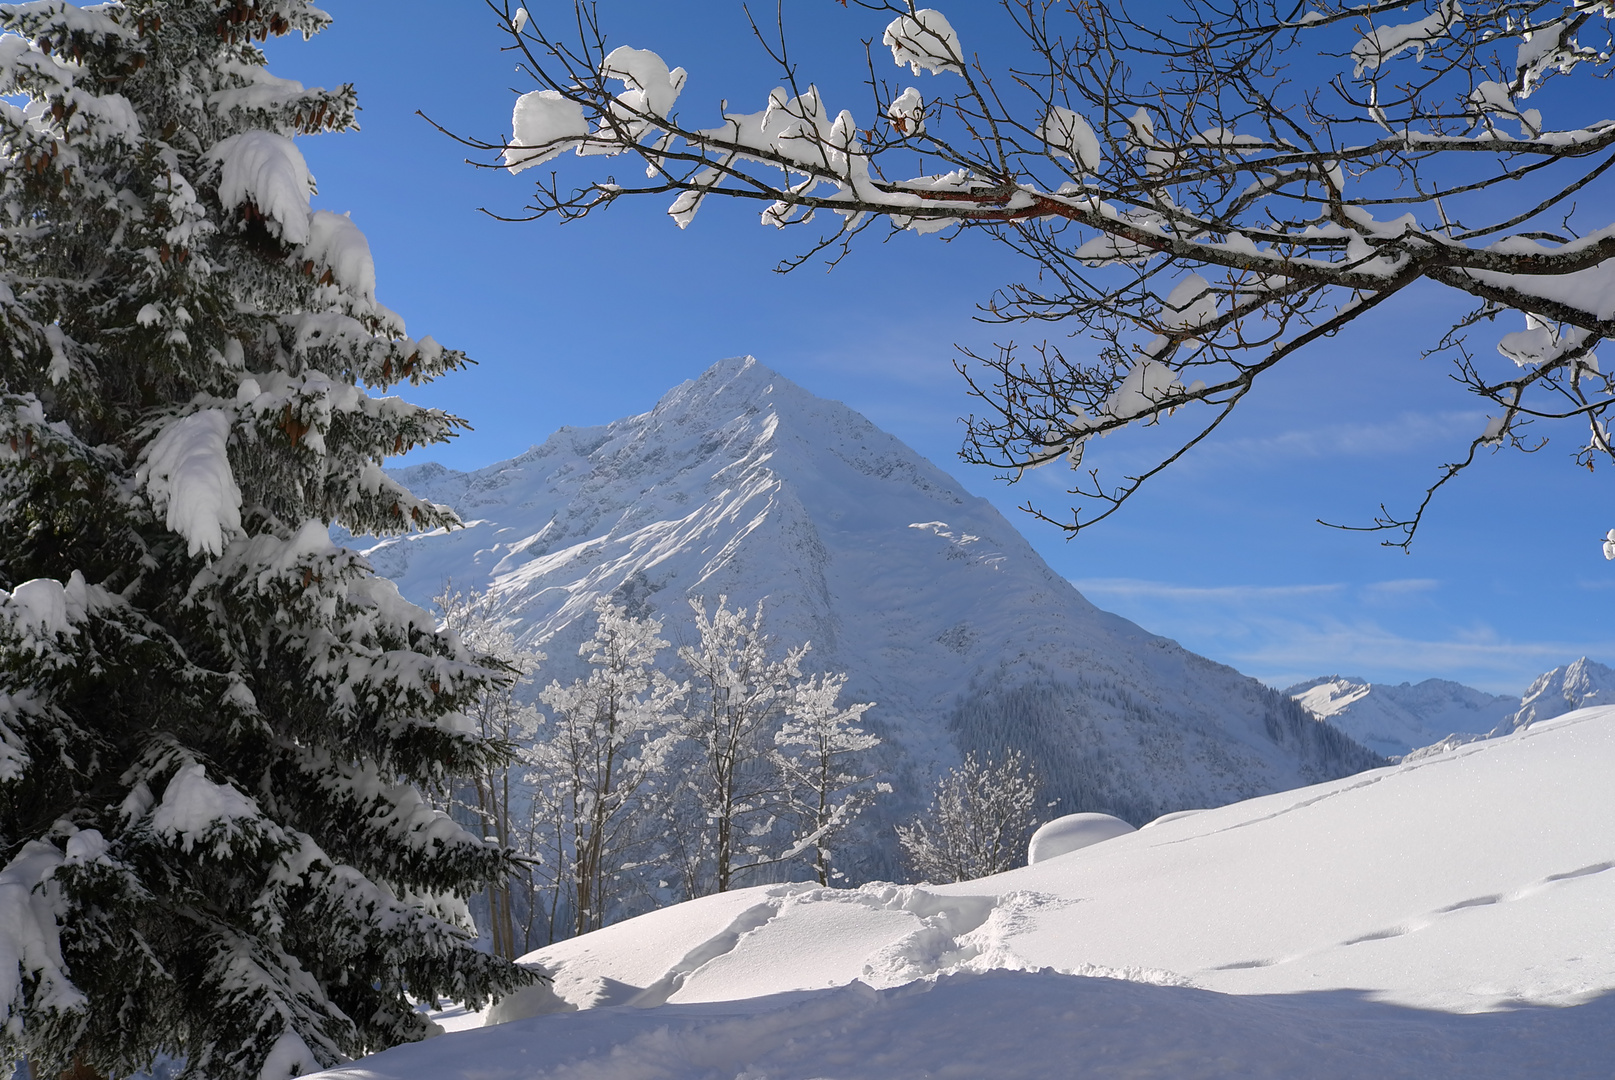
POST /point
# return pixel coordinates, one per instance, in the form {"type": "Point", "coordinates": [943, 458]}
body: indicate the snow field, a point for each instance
{"type": "Point", "coordinates": [1019, 1025]}
{"type": "Point", "coordinates": [1450, 917]}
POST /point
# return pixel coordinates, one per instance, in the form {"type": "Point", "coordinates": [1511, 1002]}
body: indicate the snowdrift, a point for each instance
{"type": "Point", "coordinates": [1449, 917]}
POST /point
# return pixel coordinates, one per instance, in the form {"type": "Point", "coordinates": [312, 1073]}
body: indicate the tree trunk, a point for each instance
{"type": "Point", "coordinates": [80, 1071]}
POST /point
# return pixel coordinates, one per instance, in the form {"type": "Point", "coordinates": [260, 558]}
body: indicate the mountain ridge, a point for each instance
{"type": "Point", "coordinates": [741, 484]}
{"type": "Point", "coordinates": [1437, 714]}
{"type": "Point", "coordinates": [1396, 719]}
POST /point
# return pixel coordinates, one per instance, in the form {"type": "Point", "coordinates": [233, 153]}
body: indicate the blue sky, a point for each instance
{"type": "Point", "coordinates": [583, 323]}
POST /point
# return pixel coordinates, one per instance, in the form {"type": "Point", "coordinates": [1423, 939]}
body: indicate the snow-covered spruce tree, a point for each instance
{"type": "Point", "coordinates": [213, 723]}
{"type": "Point", "coordinates": [979, 821]}
{"type": "Point", "coordinates": [1199, 190]}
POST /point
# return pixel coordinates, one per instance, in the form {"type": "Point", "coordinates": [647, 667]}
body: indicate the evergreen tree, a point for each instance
{"type": "Point", "coordinates": [214, 724]}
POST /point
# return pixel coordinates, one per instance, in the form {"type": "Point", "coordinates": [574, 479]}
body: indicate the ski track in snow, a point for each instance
{"type": "Point", "coordinates": [1377, 776]}
{"type": "Point", "coordinates": [1424, 922]}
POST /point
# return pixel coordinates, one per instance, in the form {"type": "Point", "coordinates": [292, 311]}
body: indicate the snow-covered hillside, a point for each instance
{"type": "Point", "coordinates": [742, 483]}
{"type": "Point", "coordinates": [1392, 720]}
{"type": "Point", "coordinates": [1445, 918]}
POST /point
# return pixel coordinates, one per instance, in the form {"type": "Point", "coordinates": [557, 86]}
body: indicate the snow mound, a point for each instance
{"type": "Point", "coordinates": [1422, 920]}
{"type": "Point", "coordinates": [1173, 816]}
{"type": "Point", "coordinates": [1071, 833]}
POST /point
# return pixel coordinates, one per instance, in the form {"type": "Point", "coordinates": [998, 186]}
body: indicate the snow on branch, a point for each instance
{"type": "Point", "coordinates": [925, 41]}
{"type": "Point", "coordinates": [1196, 197]}
{"type": "Point", "coordinates": [31, 909]}
{"type": "Point", "coordinates": [196, 811]}
{"type": "Point", "coordinates": [187, 476]}
{"type": "Point", "coordinates": [266, 173]}
{"type": "Point", "coordinates": [1388, 42]}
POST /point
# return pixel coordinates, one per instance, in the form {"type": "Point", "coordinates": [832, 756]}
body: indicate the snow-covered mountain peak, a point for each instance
{"type": "Point", "coordinates": [741, 466]}
{"type": "Point", "coordinates": [1396, 719]}
{"type": "Point", "coordinates": [1437, 714]}
{"type": "Point", "coordinates": [742, 484]}
{"type": "Point", "coordinates": [1580, 684]}
{"type": "Point", "coordinates": [1328, 695]}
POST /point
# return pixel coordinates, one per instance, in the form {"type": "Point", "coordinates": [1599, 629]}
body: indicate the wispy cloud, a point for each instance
{"type": "Point", "coordinates": [1399, 434]}
{"type": "Point", "coordinates": [1385, 590]}
{"type": "Point", "coordinates": [1134, 587]}
{"type": "Point", "coordinates": [1283, 634]}
{"type": "Point", "coordinates": [1426, 435]}
{"type": "Point", "coordinates": [1292, 650]}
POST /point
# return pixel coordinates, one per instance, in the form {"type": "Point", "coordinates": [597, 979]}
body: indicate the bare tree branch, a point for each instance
{"type": "Point", "coordinates": [1201, 190]}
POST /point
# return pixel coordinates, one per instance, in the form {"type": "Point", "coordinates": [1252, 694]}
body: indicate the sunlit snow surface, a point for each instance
{"type": "Point", "coordinates": [1451, 917]}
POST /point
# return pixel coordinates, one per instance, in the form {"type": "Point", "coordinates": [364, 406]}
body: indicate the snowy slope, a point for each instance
{"type": "Point", "coordinates": [742, 483]}
{"type": "Point", "coordinates": [1450, 917]}
{"type": "Point", "coordinates": [1392, 720]}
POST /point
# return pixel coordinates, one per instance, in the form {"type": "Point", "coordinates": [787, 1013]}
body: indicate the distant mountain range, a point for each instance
{"type": "Point", "coordinates": [1399, 720]}
{"type": "Point", "coordinates": [741, 483]}
{"type": "Point", "coordinates": [1393, 720]}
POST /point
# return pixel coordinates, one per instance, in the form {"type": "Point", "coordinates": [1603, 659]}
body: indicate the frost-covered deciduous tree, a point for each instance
{"type": "Point", "coordinates": [1200, 190]}
{"type": "Point", "coordinates": [979, 821]}
{"type": "Point", "coordinates": [497, 800]}
{"type": "Point", "coordinates": [605, 758]}
{"type": "Point", "coordinates": [737, 698]}
{"type": "Point", "coordinates": [214, 724]}
{"type": "Point", "coordinates": [827, 778]}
